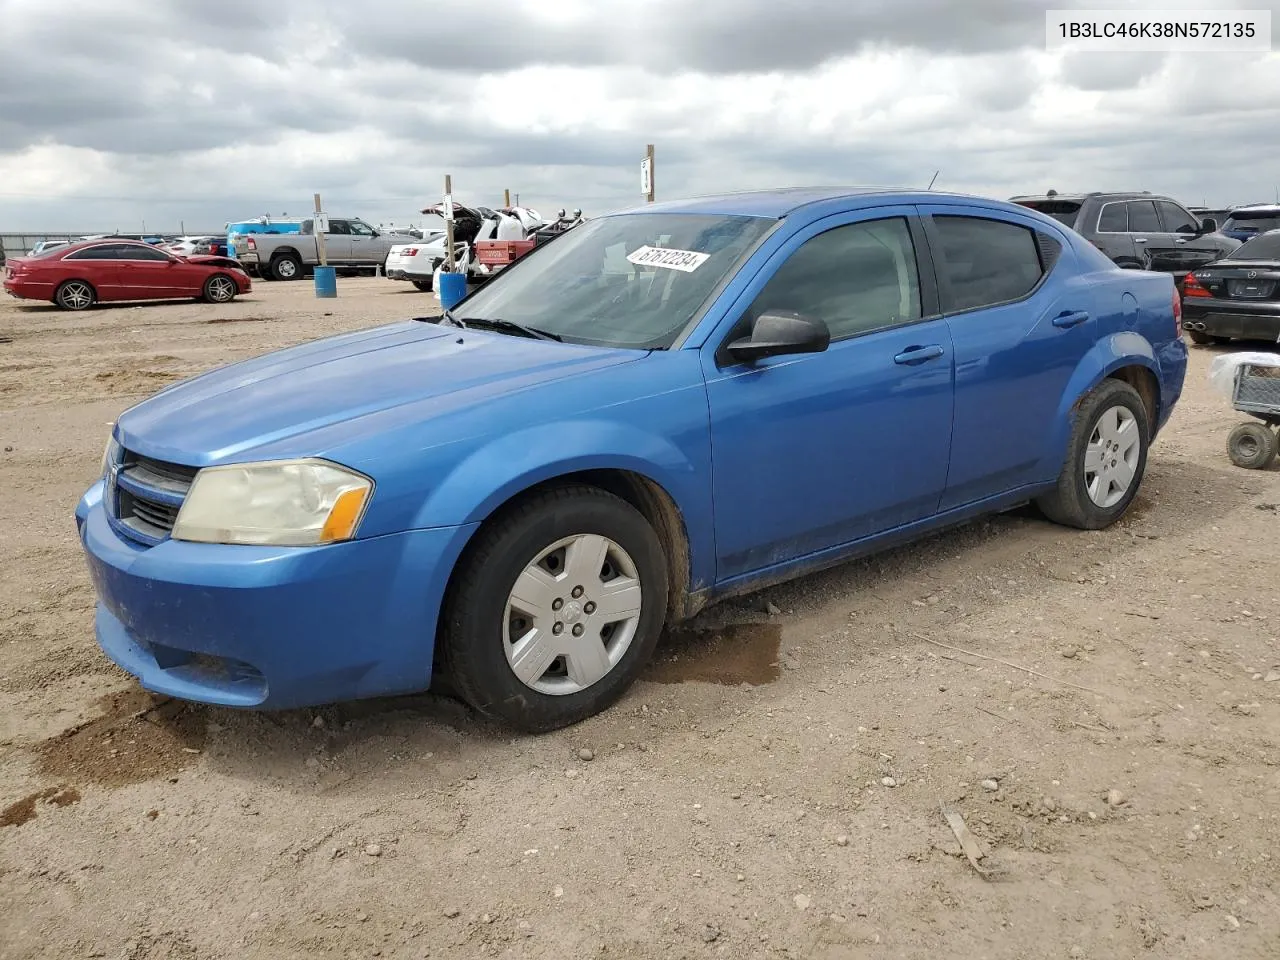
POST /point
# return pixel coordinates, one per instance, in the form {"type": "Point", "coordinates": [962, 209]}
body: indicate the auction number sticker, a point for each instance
{"type": "Point", "coordinates": [686, 261]}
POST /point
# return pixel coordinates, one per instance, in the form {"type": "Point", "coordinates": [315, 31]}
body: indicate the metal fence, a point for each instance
{"type": "Point", "coordinates": [17, 244]}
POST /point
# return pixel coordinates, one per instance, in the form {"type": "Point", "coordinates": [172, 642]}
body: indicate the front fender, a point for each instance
{"type": "Point", "coordinates": [512, 463]}
{"type": "Point", "coordinates": [1112, 353]}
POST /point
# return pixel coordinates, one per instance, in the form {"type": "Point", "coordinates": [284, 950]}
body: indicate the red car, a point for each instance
{"type": "Point", "coordinates": [82, 274]}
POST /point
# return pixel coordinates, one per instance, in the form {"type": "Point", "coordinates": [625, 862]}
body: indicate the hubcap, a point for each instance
{"type": "Point", "coordinates": [287, 268]}
{"type": "Point", "coordinates": [76, 295]}
{"type": "Point", "coordinates": [572, 614]}
{"type": "Point", "coordinates": [222, 288]}
{"type": "Point", "coordinates": [1111, 458]}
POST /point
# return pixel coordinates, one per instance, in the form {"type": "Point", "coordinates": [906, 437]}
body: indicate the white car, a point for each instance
{"type": "Point", "coordinates": [417, 261]}
{"type": "Point", "coordinates": [46, 245]}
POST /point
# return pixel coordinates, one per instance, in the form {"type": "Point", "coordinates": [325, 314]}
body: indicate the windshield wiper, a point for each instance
{"type": "Point", "coordinates": [509, 326]}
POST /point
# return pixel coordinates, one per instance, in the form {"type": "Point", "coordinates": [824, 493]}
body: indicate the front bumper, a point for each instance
{"type": "Point", "coordinates": [1237, 319]}
{"type": "Point", "coordinates": [269, 627]}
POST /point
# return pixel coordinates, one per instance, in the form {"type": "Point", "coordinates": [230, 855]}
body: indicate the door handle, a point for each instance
{"type": "Point", "coordinates": [1139, 239]}
{"type": "Point", "coordinates": [914, 355]}
{"type": "Point", "coordinates": [1179, 241]}
{"type": "Point", "coordinates": [1070, 319]}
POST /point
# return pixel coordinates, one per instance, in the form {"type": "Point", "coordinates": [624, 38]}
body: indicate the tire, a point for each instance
{"type": "Point", "coordinates": [1104, 417]}
{"type": "Point", "coordinates": [286, 267]}
{"type": "Point", "coordinates": [484, 620]}
{"type": "Point", "coordinates": [75, 295]}
{"type": "Point", "coordinates": [220, 288]}
{"type": "Point", "coordinates": [423, 285]}
{"type": "Point", "coordinates": [1206, 339]}
{"type": "Point", "coordinates": [1252, 446]}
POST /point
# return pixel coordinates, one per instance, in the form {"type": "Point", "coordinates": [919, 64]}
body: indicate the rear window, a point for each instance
{"type": "Point", "coordinates": [1266, 247]}
{"type": "Point", "coordinates": [1253, 222]}
{"type": "Point", "coordinates": [1064, 211]}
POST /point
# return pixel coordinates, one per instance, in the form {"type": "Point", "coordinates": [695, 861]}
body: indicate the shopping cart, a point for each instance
{"type": "Point", "coordinates": [1256, 391]}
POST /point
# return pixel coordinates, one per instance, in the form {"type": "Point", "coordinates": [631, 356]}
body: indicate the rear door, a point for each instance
{"type": "Point", "coordinates": [337, 242]}
{"type": "Point", "coordinates": [366, 247]}
{"type": "Point", "coordinates": [1020, 327]}
{"type": "Point", "coordinates": [1111, 234]}
{"type": "Point", "coordinates": [1145, 230]}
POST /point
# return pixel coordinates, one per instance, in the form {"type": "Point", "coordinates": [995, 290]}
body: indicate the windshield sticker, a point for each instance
{"type": "Point", "coordinates": [686, 261]}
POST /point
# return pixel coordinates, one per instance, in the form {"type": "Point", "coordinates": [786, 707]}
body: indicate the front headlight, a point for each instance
{"type": "Point", "coordinates": [288, 503]}
{"type": "Point", "coordinates": [109, 456]}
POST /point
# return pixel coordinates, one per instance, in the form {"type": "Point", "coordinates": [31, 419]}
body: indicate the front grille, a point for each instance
{"type": "Point", "coordinates": [147, 496]}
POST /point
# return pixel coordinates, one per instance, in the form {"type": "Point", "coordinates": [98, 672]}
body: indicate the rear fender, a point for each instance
{"type": "Point", "coordinates": [513, 463]}
{"type": "Point", "coordinates": [1112, 353]}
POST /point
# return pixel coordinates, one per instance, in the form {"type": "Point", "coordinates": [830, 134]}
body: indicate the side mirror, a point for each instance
{"type": "Point", "coordinates": [780, 332]}
{"type": "Point", "coordinates": [1208, 225]}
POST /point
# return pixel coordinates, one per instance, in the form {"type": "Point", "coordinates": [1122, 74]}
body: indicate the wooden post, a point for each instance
{"type": "Point", "coordinates": [648, 152]}
{"type": "Point", "coordinates": [448, 224]}
{"type": "Point", "coordinates": [506, 199]}
{"type": "Point", "coordinates": [317, 228]}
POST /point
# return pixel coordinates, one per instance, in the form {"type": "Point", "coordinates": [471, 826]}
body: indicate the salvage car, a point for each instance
{"type": "Point", "coordinates": [659, 409]}
{"type": "Point", "coordinates": [1238, 297]}
{"type": "Point", "coordinates": [77, 276]}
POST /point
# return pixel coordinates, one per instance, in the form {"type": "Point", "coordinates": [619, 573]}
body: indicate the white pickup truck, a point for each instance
{"type": "Point", "coordinates": [348, 243]}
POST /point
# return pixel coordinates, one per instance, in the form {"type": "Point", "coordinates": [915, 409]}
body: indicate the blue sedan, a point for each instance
{"type": "Point", "coordinates": [658, 409]}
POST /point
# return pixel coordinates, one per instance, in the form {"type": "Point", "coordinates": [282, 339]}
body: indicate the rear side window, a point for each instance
{"type": "Point", "coordinates": [1142, 217]}
{"type": "Point", "coordinates": [103, 251]}
{"type": "Point", "coordinates": [1114, 218]}
{"type": "Point", "coordinates": [987, 262]}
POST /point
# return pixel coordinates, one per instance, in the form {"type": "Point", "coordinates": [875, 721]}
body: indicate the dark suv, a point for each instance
{"type": "Point", "coordinates": [1141, 231]}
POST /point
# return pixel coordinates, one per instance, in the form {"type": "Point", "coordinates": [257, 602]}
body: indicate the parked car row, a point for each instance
{"type": "Point", "coordinates": [349, 243]}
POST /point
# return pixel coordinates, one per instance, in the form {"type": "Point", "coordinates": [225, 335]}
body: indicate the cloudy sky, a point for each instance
{"type": "Point", "coordinates": [118, 112]}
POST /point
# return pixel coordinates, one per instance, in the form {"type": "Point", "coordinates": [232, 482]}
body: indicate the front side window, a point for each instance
{"type": "Point", "coordinates": [854, 278]}
{"type": "Point", "coordinates": [631, 280]}
{"type": "Point", "coordinates": [361, 229]}
{"type": "Point", "coordinates": [1177, 220]}
{"type": "Point", "coordinates": [987, 262]}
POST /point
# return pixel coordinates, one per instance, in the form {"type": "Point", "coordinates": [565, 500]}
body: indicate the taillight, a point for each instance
{"type": "Point", "coordinates": [1191, 287]}
{"type": "Point", "coordinates": [253, 245]}
{"type": "Point", "coordinates": [409, 252]}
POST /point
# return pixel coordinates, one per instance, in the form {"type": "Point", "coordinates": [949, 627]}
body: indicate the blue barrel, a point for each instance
{"type": "Point", "coordinates": [453, 287]}
{"type": "Point", "coordinates": [326, 281]}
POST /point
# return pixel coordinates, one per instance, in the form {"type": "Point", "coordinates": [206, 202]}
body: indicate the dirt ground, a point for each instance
{"type": "Point", "coordinates": [773, 788]}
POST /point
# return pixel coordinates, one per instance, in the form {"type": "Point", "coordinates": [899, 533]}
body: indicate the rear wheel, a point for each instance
{"type": "Point", "coordinates": [286, 267]}
{"type": "Point", "coordinates": [75, 295]}
{"type": "Point", "coordinates": [1106, 458]}
{"type": "Point", "coordinates": [1252, 446]}
{"type": "Point", "coordinates": [220, 289]}
{"type": "Point", "coordinates": [555, 609]}
{"type": "Point", "coordinates": [423, 285]}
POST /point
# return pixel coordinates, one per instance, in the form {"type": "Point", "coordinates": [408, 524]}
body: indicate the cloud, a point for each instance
{"type": "Point", "coordinates": [115, 111]}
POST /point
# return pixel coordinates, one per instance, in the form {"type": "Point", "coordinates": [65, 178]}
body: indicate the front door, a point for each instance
{"type": "Point", "coordinates": [337, 242]}
{"type": "Point", "coordinates": [1180, 246]}
{"type": "Point", "coordinates": [365, 248]}
{"type": "Point", "coordinates": [814, 451]}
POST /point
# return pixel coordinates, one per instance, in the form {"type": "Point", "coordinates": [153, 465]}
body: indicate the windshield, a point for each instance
{"type": "Point", "coordinates": [1265, 247]}
{"type": "Point", "coordinates": [632, 280]}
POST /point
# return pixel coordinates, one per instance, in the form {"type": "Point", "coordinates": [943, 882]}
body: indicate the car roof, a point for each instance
{"type": "Point", "coordinates": [1092, 195]}
{"type": "Point", "coordinates": [99, 241]}
{"type": "Point", "coordinates": [775, 204]}
{"type": "Point", "coordinates": [1266, 209]}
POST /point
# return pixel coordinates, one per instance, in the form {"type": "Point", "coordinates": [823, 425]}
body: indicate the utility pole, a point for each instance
{"type": "Point", "coordinates": [317, 227]}
{"type": "Point", "coordinates": [448, 219]}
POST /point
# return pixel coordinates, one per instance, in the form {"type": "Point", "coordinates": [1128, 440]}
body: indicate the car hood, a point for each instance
{"type": "Point", "coordinates": [225, 414]}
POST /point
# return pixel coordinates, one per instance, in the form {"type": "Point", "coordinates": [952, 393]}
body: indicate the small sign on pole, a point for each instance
{"type": "Point", "coordinates": [646, 174]}
{"type": "Point", "coordinates": [448, 220]}
{"type": "Point", "coordinates": [319, 227]}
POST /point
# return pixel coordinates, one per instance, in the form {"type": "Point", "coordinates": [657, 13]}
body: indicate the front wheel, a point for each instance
{"type": "Point", "coordinates": [1252, 446]}
{"type": "Point", "coordinates": [555, 609]}
{"type": "Point", "coordinates": [1106, 459]}
{"type": "Point", "coordinates": [220, 289]}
